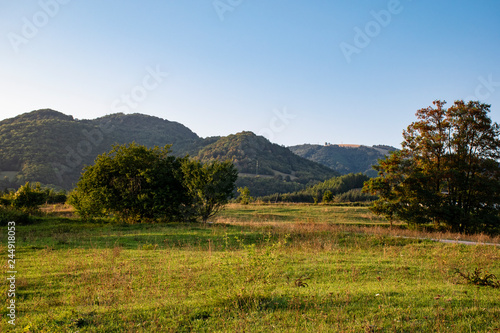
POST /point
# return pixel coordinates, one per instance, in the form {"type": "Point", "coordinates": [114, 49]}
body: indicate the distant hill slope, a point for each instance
{"type": "Point", "coordinates": [344, 158]}
{"type": "Point", "coordinates": [52, 148]}
{"type": "Point", "coordinates": [255, 155]}
{"type": "Point", "coordinates": [264, 167]}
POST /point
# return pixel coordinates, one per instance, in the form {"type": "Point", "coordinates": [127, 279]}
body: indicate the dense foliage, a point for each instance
{"type": "Point", "coordinates": [138, 184]}
{"type": "Point", "coordinates": [210, 186]}
{"type": "Point", "coordinates": [132, 182]}
{"type": "Point", "coordinates": [9, 213]}
{"type": "Point", "coordinates": [447, 172]}
{"type": "Point", "coordinates": [30, 196]}
{"type": "Point", "coordinates": [346, 188]}
{"type": "Point", "coordinates": [244, 195]}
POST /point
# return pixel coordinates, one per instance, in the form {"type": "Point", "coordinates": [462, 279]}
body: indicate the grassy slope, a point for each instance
{"type": "Point", "coordinates": [233, 276]}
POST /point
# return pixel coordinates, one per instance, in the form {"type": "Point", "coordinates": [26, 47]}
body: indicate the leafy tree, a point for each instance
{"type": "Point", "coordinates": [28, 198]}
{"type": "Point", "coordinates": [134, 183]}
{"type": "Point", "coordinates": [210, 186]}
{"type": "Point", "coordinates": [447, 171]}
{"type": "Point", "coordinates": [327, 196]}
{"type": "Point", "coordinates": [244, 197]}
{"type": "Point", "coordinates": [54, 197]}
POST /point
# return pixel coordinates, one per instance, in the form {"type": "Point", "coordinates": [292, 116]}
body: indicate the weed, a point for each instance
{"type": "Point", "coordinates": [300, 282]}
{"type": "Point", "coordinates": [477, 278]}
{"type": "Point", "coordinates": [149, 246]}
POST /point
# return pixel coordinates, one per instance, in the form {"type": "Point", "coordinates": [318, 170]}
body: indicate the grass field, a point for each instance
{"type": "Point", "coordinates": [258, 268]}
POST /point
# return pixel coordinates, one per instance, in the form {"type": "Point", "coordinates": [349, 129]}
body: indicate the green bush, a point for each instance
{"type": "Point", "coordinates": [8, 214]}
{"type": "Point", "coordinates": [28, 198]}
{"type": "Point", "coordinates": [137, 184]}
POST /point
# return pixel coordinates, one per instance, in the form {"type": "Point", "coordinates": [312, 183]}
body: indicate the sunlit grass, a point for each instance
{"type": "Point", "coordinates": [241, 273]}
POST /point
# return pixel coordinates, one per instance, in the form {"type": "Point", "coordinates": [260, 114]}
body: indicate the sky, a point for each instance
{"type": "Point", "coordinates": [316, 71]}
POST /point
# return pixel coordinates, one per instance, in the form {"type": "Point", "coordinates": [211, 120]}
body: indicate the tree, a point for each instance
{"type": "Point", "coordinates": [244, 197]}
{"type": "Point", "coordinates": [210, 186]}
{"type": "Point", "coordinates": [327, 196]}
{"type": "Point", "coordinates": [447, 171]}
{"type": "Point", "coordinates": [133, 183]}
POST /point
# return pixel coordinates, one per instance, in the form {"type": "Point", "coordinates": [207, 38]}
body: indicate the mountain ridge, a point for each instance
{"type": "Point", "coordinates": [344, 158]}
{"type": "Point", "coordinates": [52, 147]}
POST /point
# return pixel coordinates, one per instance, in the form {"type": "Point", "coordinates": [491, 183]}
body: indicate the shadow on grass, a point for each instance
{"type": "Point", "coordinates": [67, 233]}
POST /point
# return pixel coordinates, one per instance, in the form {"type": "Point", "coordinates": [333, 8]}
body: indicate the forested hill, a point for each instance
{"type": "Point", "coordinates": [264, 167]}
{"type": "Point", "coordinates": [52, 148]}
{"type": "Point", "coordinates": [344, 158]}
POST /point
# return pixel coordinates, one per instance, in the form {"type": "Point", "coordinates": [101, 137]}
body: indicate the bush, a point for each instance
{"type": "Point", "coordinates": [8, 214]}
{"type": "Point", "coordinates": [136, 184]}
{"type": "Point", "coordinates": [28, 198]}
{"type": "Point", "coordinates": [55, 197]}
{"type": "Point", "coordinates": [132, 182]}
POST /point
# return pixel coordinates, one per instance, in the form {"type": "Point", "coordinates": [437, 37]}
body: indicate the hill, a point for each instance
{"type": "Point", "coordinates": [52, 148]}
{"type": "Point", "coordinates": [344, 158]}
{"type": "Point", "coordinates": [264, 167]}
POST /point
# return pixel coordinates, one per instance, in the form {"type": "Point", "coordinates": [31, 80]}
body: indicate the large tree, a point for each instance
{"type": "Point", "coordinates": [138, 184]}
{"type": "Point", "coordinates": [447, 171]}
{"type": "Point", "coordinates": [133, 183]}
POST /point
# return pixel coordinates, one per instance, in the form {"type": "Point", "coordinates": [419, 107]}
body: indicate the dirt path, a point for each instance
{"type": "Point", "coordinates": [462, 242]}
{"type": "Point", "coordinates": [453, 241]}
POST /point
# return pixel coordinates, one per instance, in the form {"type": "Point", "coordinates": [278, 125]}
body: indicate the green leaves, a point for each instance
{"type": "Point", "coordinates": [244, 197]}
{"type": "Point", "coordinates": [28, 198]}
{"type": "Point", "coordinates": [210, 185]}
{"type": "Point", "coordinates": [132, 182]}
{"type": "Point", "coordinates": [138, 184]}
{"type": "Point", "coordinates": [447, 172]}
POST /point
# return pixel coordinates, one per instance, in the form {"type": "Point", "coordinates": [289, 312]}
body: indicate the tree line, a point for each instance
{"type": "Point", "coordinates": [346, 188]}
{"type": "Point", "coordinates": [29, 196]}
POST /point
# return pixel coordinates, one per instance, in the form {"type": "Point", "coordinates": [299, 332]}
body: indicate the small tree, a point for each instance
{"type": "Point", "coordinates": [210, 186]}
{"type": "Point", "coordinates": [327, 196]}
{"type": "Point", "coordinates": [245, 197]}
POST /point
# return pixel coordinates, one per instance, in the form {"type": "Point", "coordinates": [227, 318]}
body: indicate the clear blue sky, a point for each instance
{"type": "Point", "coordinates": [351, 71]}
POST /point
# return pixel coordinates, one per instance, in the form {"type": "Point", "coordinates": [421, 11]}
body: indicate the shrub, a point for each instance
{"type": "Point", "coordinates": [28, 198]}
{"type": "Point", "coordinates": [8, 214]}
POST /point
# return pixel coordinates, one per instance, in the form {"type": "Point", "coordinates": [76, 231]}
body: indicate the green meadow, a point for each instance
{"type": "Point", "coordinates": [255, 268]}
